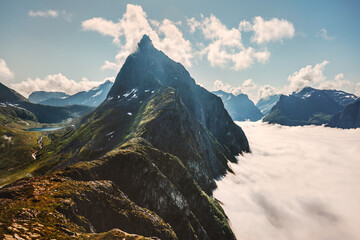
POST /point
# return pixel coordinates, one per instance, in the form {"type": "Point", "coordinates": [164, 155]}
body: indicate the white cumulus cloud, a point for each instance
{"type": "Point", "coordinates": [357, 89]}
{"type": "Point", "coordinates": [307, 76]}
{"type": "Point", "coordinates": [272, 30]}
{"type": "Point", "coordinates": [268, 30]}
{"type": "Point", "coordinates": [219, 85]}
{"type": "Point", "coordinates": [226, 47]}
{"type": "Point", "coordinates": [53, 83]}
{"type": "Point", "coordinates": [5, 72]}
{"type": "Point", "coordinates": [247, 87]}
{"type": "Point", "coordinates": [266, 91]}
{"type": "Point", "coordinates": [127, 32]}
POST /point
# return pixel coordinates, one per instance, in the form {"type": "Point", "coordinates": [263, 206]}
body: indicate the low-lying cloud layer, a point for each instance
{"type": "Point", "coordinates": [298, 183]}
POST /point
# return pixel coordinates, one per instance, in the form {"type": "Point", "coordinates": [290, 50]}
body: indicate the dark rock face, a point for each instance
{"type": "Point", "coordinates": [39, 96]}
{"type": "Point", "coordinates": [240, 107]}
{"type": "Point", "coordinates": [92, 98]}
{"type": "Point", "coordinates": [43, 113]}
{"type": "Point", "coordinates": [266, 104]}
{"type": "Point", "coordinates": [348, 118]}
{"type": "Point", "coordinates": [309, 106]}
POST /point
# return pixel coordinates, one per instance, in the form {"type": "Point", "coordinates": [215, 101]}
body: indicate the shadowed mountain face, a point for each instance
{"type": "Point", "coordinates": [348, 118]}
{"type": "Point", "coordinates": [39, 96]}
{"type": "Point", "coordinates": [43, 114]}
{"type": "Point", "coordinates": [309, 106]}
{"type": "Point", "coordinates": [240, 107]}
{"type": "Point", "coordinates": [93, 97]}
{"type": "Point", "coordinates": [161, 139]}
{"type": "Point", "coordinates": [265, 104]}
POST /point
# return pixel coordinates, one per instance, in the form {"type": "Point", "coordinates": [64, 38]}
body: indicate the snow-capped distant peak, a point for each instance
{"type": "Point", "coordinates": [96, 94]}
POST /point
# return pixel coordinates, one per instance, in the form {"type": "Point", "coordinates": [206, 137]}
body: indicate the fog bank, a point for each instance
{"type": "Point", "coordinates": [298, 183]}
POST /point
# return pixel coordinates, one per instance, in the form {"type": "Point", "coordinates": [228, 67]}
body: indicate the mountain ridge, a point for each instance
{"type": "Point", "coordinates": [309, 106]}
{"type": "Point", "coordinates": [240, 107]}
{"type": "Point", "coordinates": [43, 113]}
{"type": "Point", "coordinates": [93, 97]}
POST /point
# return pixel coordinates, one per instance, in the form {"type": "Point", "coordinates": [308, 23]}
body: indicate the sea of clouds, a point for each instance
{"type": "Point", "coordinates": [298, 183]}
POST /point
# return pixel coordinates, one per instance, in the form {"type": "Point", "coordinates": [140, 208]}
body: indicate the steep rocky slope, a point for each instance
{"type": "Point", "coordinates": [57, 207]}
{"type": "Point", "coordinates": [240, 107]}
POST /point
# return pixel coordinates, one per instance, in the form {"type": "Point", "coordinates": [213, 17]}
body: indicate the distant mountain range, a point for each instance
{"type": "Point", "coordinates": [12, 100]}
{"type": "Point", "coordinates": [309, 106]}
{"type": "Point", "coordinates": [39, 96]}
{"type": "Point", "coordinates": [266, 104]}
{"type": "Point", "coordinates": [94, 97]}
{"type": "Point", "coordinates": [240, 107]}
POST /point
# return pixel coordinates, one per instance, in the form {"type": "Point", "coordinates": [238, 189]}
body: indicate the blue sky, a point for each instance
{"type": "Point", "coordinates": [280, 47]}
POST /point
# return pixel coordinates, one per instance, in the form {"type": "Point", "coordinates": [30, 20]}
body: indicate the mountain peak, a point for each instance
{"type": "Point", "coordinates": [145, 43]}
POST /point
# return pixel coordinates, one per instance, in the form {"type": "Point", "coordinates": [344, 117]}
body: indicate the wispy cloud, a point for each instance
{"type": "Point", "coordinates": [291, 188]}
{"type": "Point", "coordinates": [51, 14]}
{"type": "Point", "coordinates": [44, 13]}
{"type": "Point", "coordinates": [5, 72]}
{"type": "Point", "coordinates": [324, 35]}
